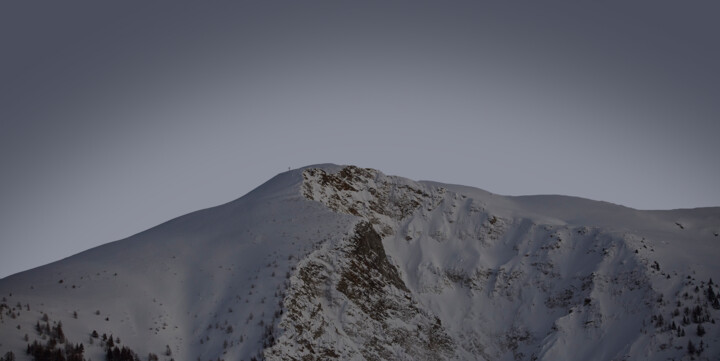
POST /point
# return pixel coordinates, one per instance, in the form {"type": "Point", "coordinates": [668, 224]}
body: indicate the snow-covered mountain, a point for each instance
{"type": "Point", "coordinates": [341, 262]}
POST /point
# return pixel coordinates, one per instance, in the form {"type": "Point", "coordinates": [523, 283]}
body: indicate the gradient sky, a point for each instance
{"type": "Point", "coordinates": [117, 116]}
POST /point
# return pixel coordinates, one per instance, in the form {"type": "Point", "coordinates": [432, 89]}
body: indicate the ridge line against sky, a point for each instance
{"type": "Point", "coordinates": [115, 117]}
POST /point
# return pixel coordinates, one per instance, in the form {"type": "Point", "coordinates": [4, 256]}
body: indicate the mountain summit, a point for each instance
{"type": "Point", "coordinates": [340, 262]}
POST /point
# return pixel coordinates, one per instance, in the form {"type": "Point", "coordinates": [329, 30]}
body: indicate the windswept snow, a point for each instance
{"type": "Point", "coordinates": [335, 262]}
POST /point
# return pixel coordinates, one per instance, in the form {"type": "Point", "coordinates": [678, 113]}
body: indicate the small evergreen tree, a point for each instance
{"type": "Point", "coordinates": [660, 320]}
{"type": "Point", "coordinates": [58, 333]}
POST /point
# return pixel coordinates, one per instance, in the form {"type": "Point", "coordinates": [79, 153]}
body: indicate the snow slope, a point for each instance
{"type": "Point", "coordinates": [335, 262]}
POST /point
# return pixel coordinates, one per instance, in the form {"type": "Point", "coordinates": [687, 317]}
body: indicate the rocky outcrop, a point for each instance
{"type": "Point", "coordinates": [347, 301]}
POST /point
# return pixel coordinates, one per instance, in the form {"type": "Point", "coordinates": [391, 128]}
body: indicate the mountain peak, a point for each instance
{"type": "Point", "coordinates": [343, 262]}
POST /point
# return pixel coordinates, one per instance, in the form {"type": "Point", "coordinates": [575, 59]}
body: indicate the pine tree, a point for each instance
{"type": "Point", "coordinates": [691, 348]}
{"type": "Point", "coordinates": [659, 321]}
{"type": "Point", "coordinates": [59, 333]}
{"type": "Point", "coordinates": [712, 297]}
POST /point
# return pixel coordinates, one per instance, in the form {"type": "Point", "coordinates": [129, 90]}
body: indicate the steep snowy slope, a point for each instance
{"type": "Point", "coordinates": [192, 283]}
{"type": "Point", "coordinates": [331, 262]}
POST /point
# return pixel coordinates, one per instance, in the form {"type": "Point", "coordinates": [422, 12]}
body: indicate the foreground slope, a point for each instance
{"type": "Point", "coordinates": [344, 262]}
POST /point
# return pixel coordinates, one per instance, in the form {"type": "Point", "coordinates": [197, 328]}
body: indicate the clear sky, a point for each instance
{"type": "Point", "coordinates": [117, 116]}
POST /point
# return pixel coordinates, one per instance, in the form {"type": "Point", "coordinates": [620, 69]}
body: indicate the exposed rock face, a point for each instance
{"type": "Point", "coordinates": [365, 193]}
{"type": "Point", "coordinates": [384, 268]}
{"type": "Point", "coordinates": [367, 257]}
{"type": "Point", "coordinates": [349, 302]}
{"type": "Point", "coordinates": [416, 246]}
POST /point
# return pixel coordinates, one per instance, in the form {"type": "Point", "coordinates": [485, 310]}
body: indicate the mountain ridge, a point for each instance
{"type": "Point", "coordinates": [331, 261]}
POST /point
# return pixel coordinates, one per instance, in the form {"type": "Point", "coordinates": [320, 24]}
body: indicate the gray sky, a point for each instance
{"type": "Point", "coordinates": [115, 117]}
